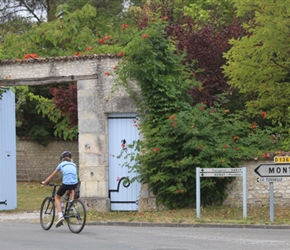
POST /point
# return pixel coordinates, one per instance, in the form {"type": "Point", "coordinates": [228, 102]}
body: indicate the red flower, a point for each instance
{"type": "Point", "coordinates": [263, 114]}
{"type": "Point", "coordinates": [265, 156]}
{"type": "Point", "coordinates": [172, 117]}
{"type": "Point", "coordinates": [77, 54]}
{"type": "Point", "coordinates": [201, 108]}
{"type": "Point", "coordinates": [235, 138]}
{"type": "Point", "coordinates": [124, 26]}
{"type": "Point", "coordinates": [107, 73]}
{"type": "Point", "coordinates": [225, 146]}
{"type": "Point", "coordinates": [26, 56]}
{"type": "Point", "coordinates": [155, 150]}
{"type": "Point", "coordinates": [120, 53]}
{"type": "Point", "coordinates": [254, 125]}
{"type": "Point", "coordinates": [223, 161]}
{"type": "Point", "coordinates": [89, 48]}
{"type": "Point", "coordinates": [179, 191]}
{"type": "Point", "coordinates": [199, 147]}
{"type": "Point", "coordinates": [145, 36]}
{"type": "Point", "coordinates": [174, 124]}
{"type": "Point", "coordinates": [107, 37]}
{"type": "Point", "coordinates": [101, 40]}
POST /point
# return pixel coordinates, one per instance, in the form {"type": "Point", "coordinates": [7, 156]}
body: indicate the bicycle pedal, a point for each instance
{"type": "Point", "coordinates": [59, 224]}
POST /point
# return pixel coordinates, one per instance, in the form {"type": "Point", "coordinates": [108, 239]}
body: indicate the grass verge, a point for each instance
{"type": "Point", "coordinates": [30, 196]}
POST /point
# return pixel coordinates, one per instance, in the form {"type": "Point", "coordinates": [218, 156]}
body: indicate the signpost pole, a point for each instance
{"type": "Point", "coordinates": [271, 187]}
{"type": "Point", "coordinates": [245, 192]}
{"type": "Point", "coordinates": [198, 193]}
{"type": "Point", "coordinates": [221, 172]}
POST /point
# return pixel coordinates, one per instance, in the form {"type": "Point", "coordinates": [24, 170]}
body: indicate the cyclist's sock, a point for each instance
{"type": "Point", "coordinates": [60, 214]}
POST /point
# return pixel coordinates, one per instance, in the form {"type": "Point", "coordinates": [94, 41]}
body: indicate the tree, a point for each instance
{"type": "Point", "coordinates": [258, 64]}
{"type": "Point", "coordinates": [203, 40]}
{"type": "Point", "coordinates": [176, 137]}
{"type": "Point", "coordinates": [211, 12]}
{"type": "Point", "coordinates": [36, 11]}
{"type": "Point", "coordinates": [204, 47]}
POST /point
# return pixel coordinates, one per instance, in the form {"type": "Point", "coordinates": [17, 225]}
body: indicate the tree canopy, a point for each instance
{"type": "Point", "coordinates": [258, 64]}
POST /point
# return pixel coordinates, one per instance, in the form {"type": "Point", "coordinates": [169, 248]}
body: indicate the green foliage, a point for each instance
{"type": "Point", "coordinates": [210, 11]}
{"type": "Point", "coordinates": [39, 135]}
{"type": "Point", "coordinates": [258, 63]}
{"type": "Point", "coordinates": [47, 108]}
{"type": "Point", "coordinates": [1, 53]}
{"type": "Point", "coordinates": [177, 138]}
{"type": "Point", "coordinates": [74, 33]}
{"type": "Point", "coordinates": [2, 89]}
{"type": "Point", "coordinates": [38, 118]}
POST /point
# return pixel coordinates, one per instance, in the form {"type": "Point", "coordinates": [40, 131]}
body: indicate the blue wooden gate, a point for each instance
{"type": "Point", "coordinates": [122, 130]}
{"type": "Point", "coordinates": [8, 196]}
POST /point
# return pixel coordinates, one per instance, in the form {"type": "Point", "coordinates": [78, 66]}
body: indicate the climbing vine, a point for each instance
{"type": "Point", "coordinates": [176, 137]}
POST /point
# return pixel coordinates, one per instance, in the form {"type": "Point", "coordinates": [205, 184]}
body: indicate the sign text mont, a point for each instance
{"type": "Point", "coordinates": [273, 170]}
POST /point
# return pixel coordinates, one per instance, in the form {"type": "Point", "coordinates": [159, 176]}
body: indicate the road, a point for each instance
{"type": "Point", "coordinates": [30, 236]}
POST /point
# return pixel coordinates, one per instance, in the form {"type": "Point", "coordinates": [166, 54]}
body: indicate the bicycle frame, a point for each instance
{"type": "Point", "coordinates": [74, 212]}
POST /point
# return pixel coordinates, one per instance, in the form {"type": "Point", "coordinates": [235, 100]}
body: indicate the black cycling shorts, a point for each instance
{"type": "Point", "coordinates": [63, 188]}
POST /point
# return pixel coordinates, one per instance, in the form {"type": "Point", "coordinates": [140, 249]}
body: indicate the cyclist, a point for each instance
{"type": "Point", "coordinates": [69, 182]}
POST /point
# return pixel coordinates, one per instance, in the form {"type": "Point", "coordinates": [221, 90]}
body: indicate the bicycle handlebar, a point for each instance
{"type": "Point", "coordinates": [51, 184]}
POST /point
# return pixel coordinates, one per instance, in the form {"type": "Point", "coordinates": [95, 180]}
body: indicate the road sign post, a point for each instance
{"type": "Point", "coordinates": [273, 173]}
{"type": "Point", "coordinates": [221, 172]}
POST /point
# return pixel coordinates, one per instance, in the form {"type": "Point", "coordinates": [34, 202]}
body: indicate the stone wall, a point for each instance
{"type": "Point", "coordinates": [258, 193]}
{"type": "Point", "coordinates": [35, 162]}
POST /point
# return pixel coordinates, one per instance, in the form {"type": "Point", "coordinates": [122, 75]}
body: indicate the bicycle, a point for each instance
{"type": "Point", "coordinates": [74, 212]}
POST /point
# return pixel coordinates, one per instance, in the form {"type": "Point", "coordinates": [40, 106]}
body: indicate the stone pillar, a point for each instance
{"type": "Point", "coordinates": [93, 148]}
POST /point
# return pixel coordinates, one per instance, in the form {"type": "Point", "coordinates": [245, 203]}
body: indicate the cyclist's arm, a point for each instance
{"type": "Point", "coordinates": [49, 178]}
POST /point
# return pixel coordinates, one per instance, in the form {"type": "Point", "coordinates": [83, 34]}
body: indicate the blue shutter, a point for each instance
{"type": "Point", "coordinates": [8, 188]}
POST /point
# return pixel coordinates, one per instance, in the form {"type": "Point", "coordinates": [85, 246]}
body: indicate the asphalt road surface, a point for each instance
{"type": "Point", "coordinates": [30, 236]}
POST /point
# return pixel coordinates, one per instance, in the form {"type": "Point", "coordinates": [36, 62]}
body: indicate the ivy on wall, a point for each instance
{"type": "Point", "coordinates": [177, 137]}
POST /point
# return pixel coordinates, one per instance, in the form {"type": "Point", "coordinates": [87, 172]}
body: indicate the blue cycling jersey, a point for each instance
{"type": "Point", "coordinates": [69, 172]}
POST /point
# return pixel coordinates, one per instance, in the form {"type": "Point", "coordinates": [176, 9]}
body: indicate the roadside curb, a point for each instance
{"type": "Point", "coordinates": [34, 218]}
{"type": "Point", "coordinates": [209, 225]}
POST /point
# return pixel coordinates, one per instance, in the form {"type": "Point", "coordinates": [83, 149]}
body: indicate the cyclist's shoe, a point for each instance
{"type": "Point", "coordinates": [59, 222]}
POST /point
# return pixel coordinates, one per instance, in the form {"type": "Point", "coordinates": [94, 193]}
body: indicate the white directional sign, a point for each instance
{"type": "Point", "coordinates": [269, 179]}
{"type": "Point", "coordinates": [273, 170]}
{"type": "Point", "coordinates": [221, 172]}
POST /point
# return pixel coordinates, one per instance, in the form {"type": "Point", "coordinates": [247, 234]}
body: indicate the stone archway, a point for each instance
{"type": "Point", "coordinates": [95, 78]}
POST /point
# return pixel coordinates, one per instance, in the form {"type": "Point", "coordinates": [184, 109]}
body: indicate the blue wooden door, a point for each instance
{"type": "Point", "coordinates": [122, 130]}
{"type": "Point", "coordinates": [7, 152]}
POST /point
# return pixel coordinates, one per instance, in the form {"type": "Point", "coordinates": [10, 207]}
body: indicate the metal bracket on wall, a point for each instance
{"type": "Point", "coordinates": [3, 202]}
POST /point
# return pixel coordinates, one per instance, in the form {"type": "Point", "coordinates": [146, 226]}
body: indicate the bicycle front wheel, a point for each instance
{"type": "Point", "coordinates": [47, 213]}
{"type": "Point", "coordinates": [76, 216]}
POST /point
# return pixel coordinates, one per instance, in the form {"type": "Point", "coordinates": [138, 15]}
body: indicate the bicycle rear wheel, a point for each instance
{"type": "Point", "coordinates": [77, 215]}
{"type": "Point", "coordinates": [47, 213]}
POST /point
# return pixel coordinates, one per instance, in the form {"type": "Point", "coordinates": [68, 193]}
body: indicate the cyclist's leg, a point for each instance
{"type": "Point", "coordinates": [60, 192]}
{"type": "Point", "coordinates": [72, 191]}
{"type": "Point", "coordinates": [71, 195]}
{"type": "Point", "coordinates": [57, 199]}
